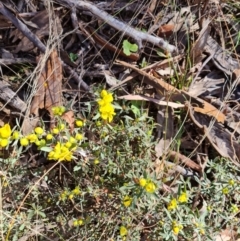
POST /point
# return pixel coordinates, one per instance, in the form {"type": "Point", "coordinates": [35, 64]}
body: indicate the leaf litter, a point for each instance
{"type": "Point", "coordinates": [206, 90]}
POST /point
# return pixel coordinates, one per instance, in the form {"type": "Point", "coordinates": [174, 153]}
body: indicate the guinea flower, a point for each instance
{"type": "Point", "coordinates": [63, 195]}
{"type": "Point", "coordinates": [15, 135]}
{"type": "Point", "coordinates": [78, 137]}
{"type": "Point", "coordinates": [123, 231]}
{"type": "Point", "coordinates": [58, 110]}
{"type": "Point", "coordinates": [107, 112]}
{"type": "Point", "coordinates": [24, 141]}
{"type": "Point", "coordinates": [150, 186]}
{"type": "Point", "coordinates": [5, 131]}
{"type": "Point", "coordinates": [32, 138]}
{"type": "Point", "coordinates": [96, 161]}
{"type": "Point", "coordinates": [4, 142]}
{"type": "Point", "coordinates": [176, 228]}
{"type": "Point", "coordinates": [142, 182]}
{"type": "Point", "coordinates": [75, 223]}
{"type": "Point", "coordinates": [55, 131]}
{"type": "Point", "coordinates": [127, 201]}
{"type": "Point", "coordinates": [79, 123]}
{"type": "Point", "coordinates": [38, 130]}
{"type": "Point", "coordinates": [106, 109]}
{"type": "Point", "coordinates": [183, 198]}
{"type": "Point", "coordinates": [72, 140]}
{"type": "Point", "coordinates": [49, 137]}
{"type": "Point", "coordinates": [225, 190]}
{"type": "Point", "coordinates": [76, 191]}
{"type": "Point", "coordinates": [234, 208]}
{"type": "Point", "coordinates": [60, 153]}
{"type": "Point", "coordinates": [172, 205]}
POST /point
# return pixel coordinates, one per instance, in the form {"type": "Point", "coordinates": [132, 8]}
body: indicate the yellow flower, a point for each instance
{"type": "Point", "coordinates": [231, 182]}
{"type": "Point", "coordinates": [150, 187]}
{"type": "Point", "coordinates": [127, 201]}
{"type": "Point", "coordinates": [49, 137]}
{"type": "Point", "coordinates": [80, 222]}
{"type": "Point", "coordinates": [123, 231]}
{"type": "Point", "coordinates": [61, 127]}
{"type": "Point", "coordinates": [75, 223]}
{"type": "Point", "coordinates": [72, 140]}
{"type": "Point", "coordinates": [225, 190]}
{"type": "Point", "coordinates": [96, 161]}
{"type": "Point", "coordinates": [142, 182]}
{"type": "Point", "coordinates": [5, 131]}
{"type": "Point", "coordinates": [76, 191]}
{"type": "Point", "coordinates": [32, 138]}
{"type": "Point", "coordinates": [55, 131]}
{"type": "Point", "coordinates": [15, 135]}
{"type": "Point", "coordinates": [176, 228]}
{"type": "Point", "coordinates": [24, 141]}
{"type": "Point", "coordinates": [79, 137]}
{"type": "Point", "coordinates": [60, 153]}
{"type": "Point", "coordinates": [38, 130]}
{"type": "Point", "coordinates": [183, 198]}
{"type": "Point", "coordinates": [3, 142]}
{"type": "Point", "coordinates": [107, 112]}
{"type": "Point", "coordinates": [234, 208]}
{"type": "Point", "coordinates": [202, 231]}
{"type": "Point", "coordinates": [106, 96]}
{"type": "Point", "coordinates": [79, 123]}
{"type": "Point", "coordinates": [172, 205]}
{"type": "Point", "coordinates": [71, 196]}
{"type": "Point", "coordinates": [58, 110]}
{"type": "Point", "coordinates": [68, 144]}
{"type": "Point", "coordinates": [63, 195]}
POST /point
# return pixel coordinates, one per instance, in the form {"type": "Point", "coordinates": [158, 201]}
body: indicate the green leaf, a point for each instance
{"type": "Point", "coordinates": [128, 47]}
{"type": "Point", "coordinates": [135, 110]}
{"type": "Point", "coordinates": [46, 149]}
{"type": "Point", "coordinates": [73, 57]}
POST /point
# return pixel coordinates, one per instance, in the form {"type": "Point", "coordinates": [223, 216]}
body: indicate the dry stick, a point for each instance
{"type": "Point", "coordinates": [123, 27]}
{"type": "Point", "coordinates": [16, 61]}
{"type": "Point", "coordinates": [37, 42]}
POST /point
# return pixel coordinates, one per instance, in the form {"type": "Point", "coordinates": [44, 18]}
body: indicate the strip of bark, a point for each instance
{"type": "Point", "coordinates": [122, 27]}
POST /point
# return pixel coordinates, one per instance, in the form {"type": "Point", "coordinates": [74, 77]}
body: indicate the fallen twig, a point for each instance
{"type": "Point", "coordinates": [123, 27]}
{"type": "Point", "coordinates": [16, 61]}
{"type": "Point", "coordinates": [177, 157]}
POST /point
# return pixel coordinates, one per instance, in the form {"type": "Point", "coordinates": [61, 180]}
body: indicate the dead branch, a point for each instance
{"type": "Point", "coordinates": [22, 27]}
{"type": "Point", "coordinates": [38, 43]}
{"type": "Point", "coordinates": [122, 27]}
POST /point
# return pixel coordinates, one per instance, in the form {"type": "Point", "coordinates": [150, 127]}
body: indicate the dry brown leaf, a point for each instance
{"type": "Point", "coordinates": [53, 82]}
{"type": "Point", "coordinates": [226, 235]}
{"type": "Point", "coordinates": [69, 118]}
{"type": "Point", "coordinates": [49, 87]}
{"type": "Point", "coordinates": [210, 110]}
{"type": "Point", "coordinates": [221, 140]}
{"type": "Point", "coordinates": [165, 30]}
